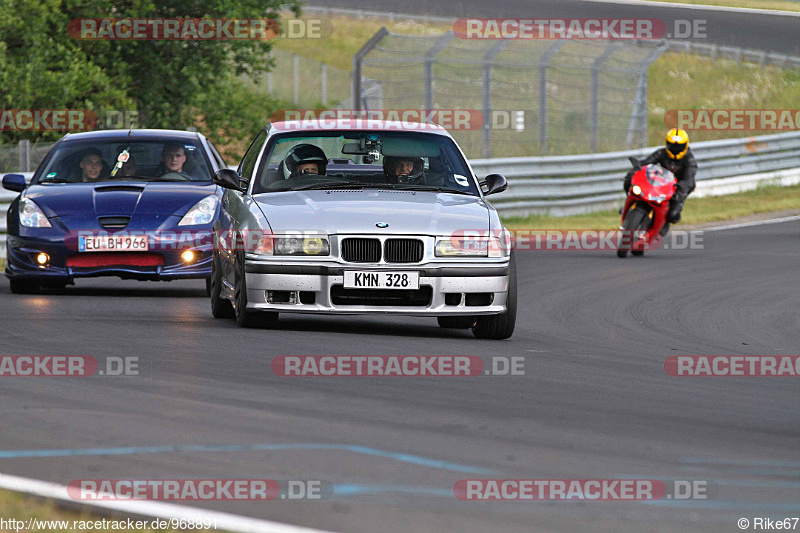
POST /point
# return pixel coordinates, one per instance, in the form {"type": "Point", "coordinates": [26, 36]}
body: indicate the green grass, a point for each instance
{"type": "Point", "coordinates": [783, 5]}
{"type": "Point", "coordinates": [14, 505]}
{"type": "Point", "coordinates": [680, 81]}
{"type": "Point", "coordinates": [695, 211]}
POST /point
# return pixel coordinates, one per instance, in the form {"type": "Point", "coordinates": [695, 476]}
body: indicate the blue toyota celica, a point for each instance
{"type": "Point", "coordinates": [137, 204]}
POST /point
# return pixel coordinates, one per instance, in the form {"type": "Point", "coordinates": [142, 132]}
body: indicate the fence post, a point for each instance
{"type": "Point", "coordinates": [544, 62]}
{"type": "Point", "coordinates": [358, 58]}
{"type": "Point", "coordinates": [487, 96]}
{"type": "Point", "coordinates": [24, 148]}
{"type": "Point", "coordinates": [595, 99]}
{"type": "Point", "coordinates": [429, 58]}
{"type": "Point", "coordinates": [324, 75]}
{"type": "Point", "coordinates": [296, 68]}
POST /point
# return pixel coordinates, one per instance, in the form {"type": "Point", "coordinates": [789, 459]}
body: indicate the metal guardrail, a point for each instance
{"type": "Point", "coordinates": [566, 185]}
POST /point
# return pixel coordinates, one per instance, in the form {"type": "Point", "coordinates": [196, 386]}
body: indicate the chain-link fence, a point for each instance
{"type": "Point", "coordinates": [537, 97]}
{"type": "Point", "coordinates": [23, 156]}
{"type": "Point", "coordinates": [307, 83]}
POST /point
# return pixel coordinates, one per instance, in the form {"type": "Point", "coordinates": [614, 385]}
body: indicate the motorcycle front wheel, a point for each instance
{"type": "Point", "coordinates": [635, 220]}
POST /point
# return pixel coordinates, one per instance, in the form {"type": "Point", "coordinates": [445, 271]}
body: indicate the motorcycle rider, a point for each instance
{"type": "Point", "coordinates": [678, 159]}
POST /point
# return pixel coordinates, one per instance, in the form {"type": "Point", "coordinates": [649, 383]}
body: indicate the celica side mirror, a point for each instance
{"type": "Point", "coordinates": [14, 182]}
{"type": "Point", "coordinates": [228, 179]}
{"type": "Point", "coordinates": [494, 183]}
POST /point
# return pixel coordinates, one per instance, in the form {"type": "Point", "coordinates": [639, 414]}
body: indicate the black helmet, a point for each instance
{"type": "Point", "coordinates": [305, 153]}
{"type": "Point", "coordinates": [389, 163]}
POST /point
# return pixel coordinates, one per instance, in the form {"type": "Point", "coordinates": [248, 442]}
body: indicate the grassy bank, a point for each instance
{"type": "Point", "coordinates": [696, 210]}
{"type": "Point", "coordinates": [783, 5]}
{"type": "Point", "coordinates": [676, 81]}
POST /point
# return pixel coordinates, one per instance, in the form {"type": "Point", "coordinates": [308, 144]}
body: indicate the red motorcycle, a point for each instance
{"type": "Point", "coordinates": [646, 208]}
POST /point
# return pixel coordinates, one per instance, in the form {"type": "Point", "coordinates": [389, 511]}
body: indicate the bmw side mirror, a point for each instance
{"type": "Point", "coordinates": [494, 183]}
{"type": "Point", "coordinates": [228, 179]}
{"type": "Point", "coordinates": [14, 182]}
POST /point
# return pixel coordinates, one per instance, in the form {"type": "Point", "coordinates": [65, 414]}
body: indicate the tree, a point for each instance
{"type": "Point", "coordinates": [171, 83]}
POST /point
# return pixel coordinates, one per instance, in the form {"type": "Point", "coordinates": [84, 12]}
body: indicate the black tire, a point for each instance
{"type": "Point", "coordinates": [500, 326]}
{"type": "Point", "coordinates": [208, 286]}
{"type": "Point", "coordinates": [220, 307]}
{"type": "Point", "coordinates": [637, 253]}
{"type": "Point", "coordinates": [456, 322]}
{"type": "Point", "coordinates": [245, 318]}
{"type": "Point", "coordinates": [635, 220]}
{"type": "Point", "coordinates": [24, 286]}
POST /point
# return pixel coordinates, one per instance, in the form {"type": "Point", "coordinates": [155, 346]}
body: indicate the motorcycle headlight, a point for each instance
{"type": "Point", "coordinates": [468, 247]}
{"type": "Point", "coordinates": [201, 213]}
{"type": "Point", "coordinates": [31, 216]}
{"type": "Point", "coordinates": [636, 190]}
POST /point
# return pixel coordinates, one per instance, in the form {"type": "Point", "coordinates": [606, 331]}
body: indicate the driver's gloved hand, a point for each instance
{"type": "Point", "coordinates": [674, 214]}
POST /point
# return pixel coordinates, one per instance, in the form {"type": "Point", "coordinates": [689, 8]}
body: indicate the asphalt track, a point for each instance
{"type": "Point", "coordinates": [594, 403]}
{"type": "Point", "coordinates": [756, 31]}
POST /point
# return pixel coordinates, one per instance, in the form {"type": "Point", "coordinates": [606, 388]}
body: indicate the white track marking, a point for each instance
{"type": "Point", "coordinates": [754, 223]}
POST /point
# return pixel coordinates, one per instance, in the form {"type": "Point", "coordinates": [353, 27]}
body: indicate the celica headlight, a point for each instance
{"type": "Point", "coordinates": [31, 216]}
{"type": "Point", "coordinates": [201, 213]}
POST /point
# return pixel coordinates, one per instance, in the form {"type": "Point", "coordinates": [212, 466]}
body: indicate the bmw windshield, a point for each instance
{"type": "Point", "coordinates": [364, 159]}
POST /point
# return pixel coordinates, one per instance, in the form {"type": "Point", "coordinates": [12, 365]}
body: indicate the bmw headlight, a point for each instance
{"type": "Point", "coordinates": [31, 216]}
{"type": "Point", "coordinates": [201, 213]}
{"type": "Point", "coordinates": [272, 245]}
{"type": "Point", "coordinates": [468, 247]}
{"type": "Point", "coordinates": [301, 246]}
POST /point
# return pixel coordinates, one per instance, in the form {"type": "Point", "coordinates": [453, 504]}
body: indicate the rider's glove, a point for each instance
{"type": "Point", "coordinates": [675, 213]}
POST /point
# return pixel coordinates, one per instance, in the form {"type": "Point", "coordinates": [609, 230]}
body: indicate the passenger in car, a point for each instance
{"type": "Point", "coordinates": [91, 165]}
{"type": "Point", "coordinates": [405, 169]}
{"type": "Point", "coordinates": [305, 159]}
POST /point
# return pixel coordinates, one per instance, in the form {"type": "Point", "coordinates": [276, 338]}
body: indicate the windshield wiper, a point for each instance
{"type": "Point", "coordinates": [55, 180]}
{"type": "Point", "coordinates": [431, 188]}
{"type": "Point", "coordinates": [329, 185]}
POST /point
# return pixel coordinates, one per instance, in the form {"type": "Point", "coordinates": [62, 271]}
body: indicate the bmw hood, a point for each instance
{"type": "Point", "coordinates": [84, 203]}
{"type": "Point", "coordinates": [368, 210]}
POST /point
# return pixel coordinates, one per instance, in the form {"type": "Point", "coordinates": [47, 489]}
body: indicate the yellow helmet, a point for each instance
{"type": "Point", "coordinates": [677, 143]}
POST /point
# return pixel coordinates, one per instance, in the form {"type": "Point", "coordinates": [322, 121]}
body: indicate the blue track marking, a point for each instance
{"type": "Point", "coordinates": [206, 448]}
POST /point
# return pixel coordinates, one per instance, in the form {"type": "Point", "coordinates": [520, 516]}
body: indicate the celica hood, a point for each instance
{"type": "Point", "coordinates": [118, 198]}
{"type": "Point", "coordinates": [358, 211]}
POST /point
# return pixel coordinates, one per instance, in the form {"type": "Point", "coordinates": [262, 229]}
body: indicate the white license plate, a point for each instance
{"type": "Point", "coordinates": [354, 279]}
{"type": "Point", "coordinates": [111, 243]}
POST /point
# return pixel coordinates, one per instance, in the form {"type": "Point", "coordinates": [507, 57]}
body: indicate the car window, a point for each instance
{"type": "Point", "coordinates": [99, 160]}
{"type": "Point", "coordinates": [249, 160]}
{"type": "Point", "coordinates": [372, 159]}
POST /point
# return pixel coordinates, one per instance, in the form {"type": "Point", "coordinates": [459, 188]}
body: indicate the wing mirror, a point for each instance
{"type": "Point", "coordinates": [494, 183]}
{"type": "Point", "coordinates": [229, 179]}
{"type": "Point", "coordinates": [14, 182]}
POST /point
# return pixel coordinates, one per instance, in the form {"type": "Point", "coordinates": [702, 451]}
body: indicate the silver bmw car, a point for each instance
{"type": "Point", "coordinates": [339, 219]}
